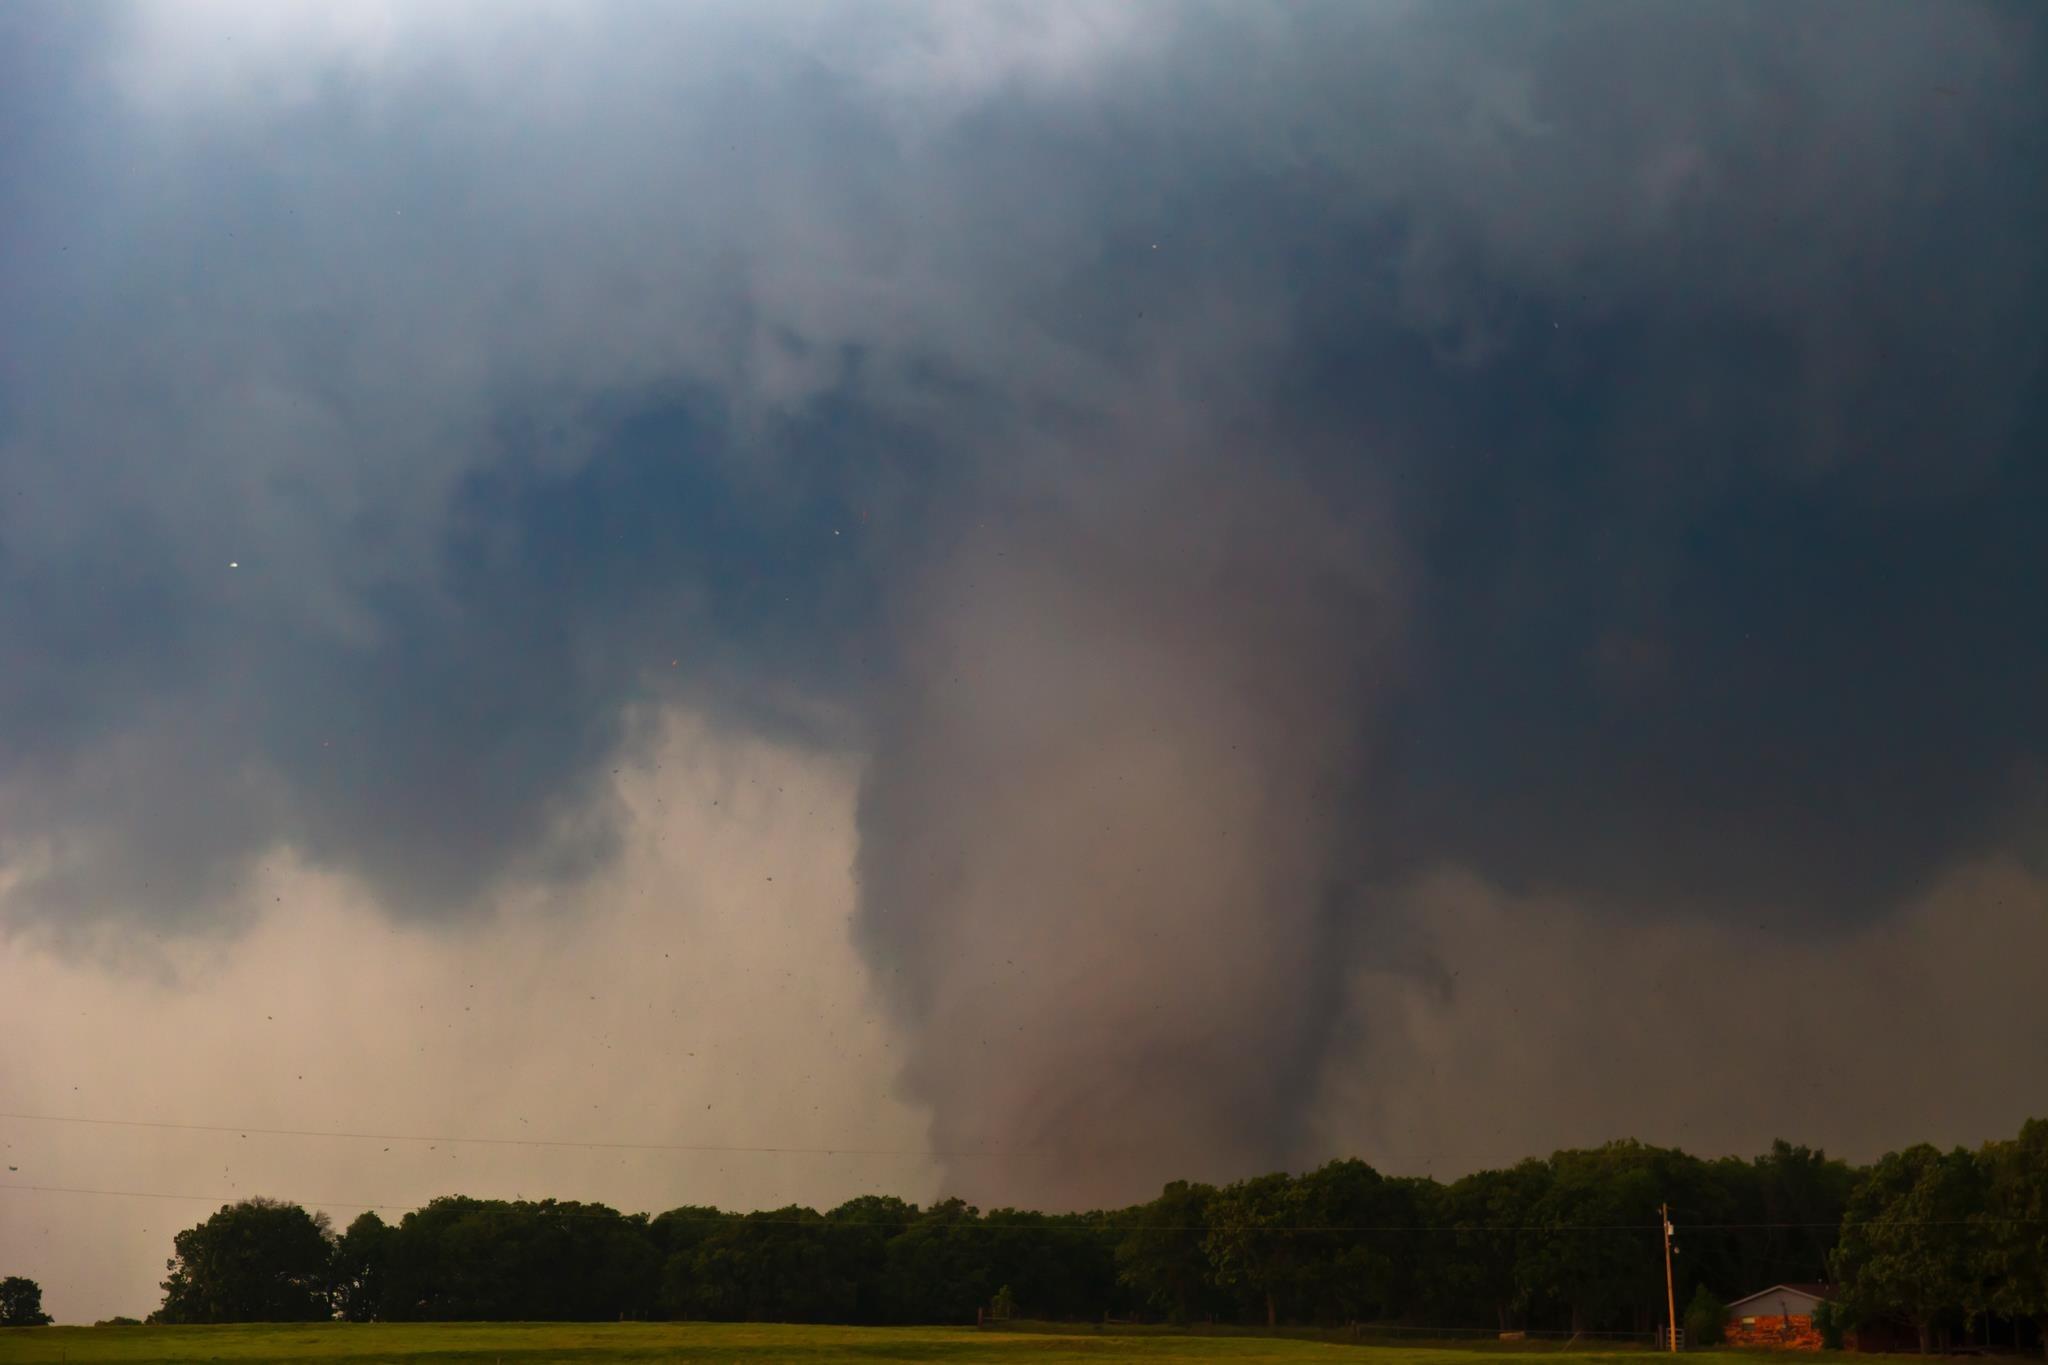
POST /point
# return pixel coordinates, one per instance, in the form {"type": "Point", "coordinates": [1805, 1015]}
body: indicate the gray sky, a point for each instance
{"type": "Point", "coordinates": [1265, 583]}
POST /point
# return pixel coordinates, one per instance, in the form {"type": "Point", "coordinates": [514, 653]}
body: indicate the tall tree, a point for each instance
{"type": "Point", "coordinates": [358, 1269]}
{"type": "Point", "coordinates": [937, 1268]}
{"type": "Point", "coordinates": [1912, 1240]}
{"type": "Point", "coordinates": [1587, 1258]}
{"type": "Point", "coordinates": [489, 1259]}
{"type": "Point", "coordinates": [1252, 1243]}
{"type": "Point", "coordinates": [858, 1238]}
{"type": "Point", "coordinates": [1359, 1263]}
{"type": "Point", "coordinates": [256, 1261]}
{"type": "Point", "coordinates": [1055, 1265]}
{"type": "Point", "coordinates": [1801, 1196]}
{"type": "Point", "coordinates": [773, 1266]}
{"type": "Point", "coordinates": [1472, 1265]}
{"type": "Point", "coordinates": [1164, 1257]}
{"type": "Point", "coordinates": [677, 1235]}
{"type": "Point", "coordinates": [2016, 1212]}
{"type": "Point", "coordinates": [21, 1303]}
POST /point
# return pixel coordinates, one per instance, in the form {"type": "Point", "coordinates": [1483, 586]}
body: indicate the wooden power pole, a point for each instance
{"type": "Point", "coordinates": [1670, 1294]}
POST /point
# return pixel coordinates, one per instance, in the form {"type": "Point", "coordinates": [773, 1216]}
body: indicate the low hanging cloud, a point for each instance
{"type": "Point", "coordinates": [702, 990]}
{"type": "Point", "coordinates": [1514, 1025]}
{"type": "Point", "coordinates": [1207, 468]}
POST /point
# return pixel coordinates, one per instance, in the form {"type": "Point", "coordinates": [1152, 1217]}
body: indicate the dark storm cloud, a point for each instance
{"type": "Point", "coordinates": [1207, 459]}
{"type": "Point", "coordinates": [465, 735]}
{"type": "Point", "coordinates": [1728, 592]}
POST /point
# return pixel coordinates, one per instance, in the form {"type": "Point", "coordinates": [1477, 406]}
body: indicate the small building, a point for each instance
{"type": "Point", "coordinates": [1780, 1317]}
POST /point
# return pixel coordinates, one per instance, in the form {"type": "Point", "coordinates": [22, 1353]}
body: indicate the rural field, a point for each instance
{"type": "Point", "coordinates": [530, 1343]}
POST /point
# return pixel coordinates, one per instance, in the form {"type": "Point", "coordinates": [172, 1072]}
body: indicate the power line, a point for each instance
{"type": "Point", "coordinates": [244, 1129]}
{"type": "Point", "coordinates": [705, 1147]}
{"type": "Point", "coordinates": [211, 1198]}
{"type": "Point", "coordinates": [927, 1153]}
{"type": "Point", "coordinates": [1103, 1224]}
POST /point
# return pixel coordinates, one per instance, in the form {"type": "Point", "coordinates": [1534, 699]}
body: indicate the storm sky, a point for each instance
{"type": "Point", "coordinates": [1020, 600]}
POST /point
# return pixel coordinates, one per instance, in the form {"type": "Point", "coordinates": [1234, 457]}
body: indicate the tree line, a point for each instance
{"type": "Point", "coordinates": [1942, 1242]}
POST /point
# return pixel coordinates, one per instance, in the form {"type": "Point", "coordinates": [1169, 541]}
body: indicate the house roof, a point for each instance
{"type": "Point", "coordinates": [1810, 1291]}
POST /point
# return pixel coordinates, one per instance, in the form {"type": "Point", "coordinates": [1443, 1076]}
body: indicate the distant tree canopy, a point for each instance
{"type": "Point", "coordinates": [21, 1303]}
{"type": "Point", "coordinates": [256, 1261]}
{"type": "Point", "coordinates": [1932, 1239]}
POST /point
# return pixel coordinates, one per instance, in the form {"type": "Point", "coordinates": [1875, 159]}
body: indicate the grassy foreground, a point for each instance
{"type": "Point", "coordinates": [530, 1343]}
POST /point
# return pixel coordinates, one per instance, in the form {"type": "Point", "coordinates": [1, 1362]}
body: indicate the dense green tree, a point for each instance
{"type": "Point", "coordinates": [1831, 1321]}
{"type": "Point", "coordinates": [1473, 1266]}
{"type": "Point", "coordinates": [861, 1230]}
{"type": "Point", "coordinates": [1251, 1243]}
{"type": "Point", "coordinates": [1704, 1314]}
{"type": "Point", "coordinates": [256, 1261]}
{"type": "Point", "coordinates": [937, 1269]}
{"type": "Point", "coordinates": [1056, 1266]}
{"type": "Point", "coordinates": [21, 1303]}
{"type": "Point", "coordinates": [676, 1236]}
{"type": "Point", "coordinates": [1359, 1262]}
{"type": "Point", "coordinates": [1790, 1201]}
{"type": "Point", "coordinates": [490, 1259]}
{"type": "Point", "coordinates": [1570, 1241]}
{"type": "Point", "coordinates": [358, 1269]}
{"type": "Point", "coordinates": [2016, 1216]}
{"type": "Point", "coordinates": [1911, 1243]}
{"type": "Point", "coordinates": [773, 1266]}
{"type": "Point", "coordinates": [1587, 1256]}
{"type": "Point", "coordinates": [1164, 1257]}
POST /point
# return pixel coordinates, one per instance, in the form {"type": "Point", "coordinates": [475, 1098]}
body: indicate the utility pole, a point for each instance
{"type": "Point", "coordinates": [1670, 1294]}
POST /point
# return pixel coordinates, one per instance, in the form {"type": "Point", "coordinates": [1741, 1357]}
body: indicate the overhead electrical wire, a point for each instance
{"type": "Point", "coordinates": [705, 1147]}
{"type": "Point", "coordinates": [1104, 1223]}
{"type": "Point", "coordinates": [602, 1145]}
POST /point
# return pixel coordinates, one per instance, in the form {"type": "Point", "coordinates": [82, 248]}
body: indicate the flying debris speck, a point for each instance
{"type": "Point", "coordinates": [234, 564]}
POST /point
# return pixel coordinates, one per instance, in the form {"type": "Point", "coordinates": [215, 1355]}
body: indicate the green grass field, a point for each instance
{"type": "Point", "coordinates": [530, 1343]}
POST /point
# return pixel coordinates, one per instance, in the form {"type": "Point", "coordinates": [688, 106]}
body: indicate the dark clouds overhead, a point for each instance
{"type": "Point", "coordinates": [1594, 445]}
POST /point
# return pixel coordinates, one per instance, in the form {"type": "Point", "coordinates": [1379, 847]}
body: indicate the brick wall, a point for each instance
{"type": "Point", "coordinates": [1795, 1333]}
